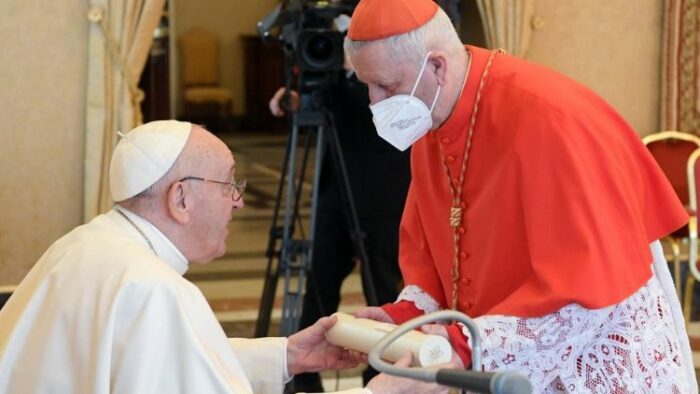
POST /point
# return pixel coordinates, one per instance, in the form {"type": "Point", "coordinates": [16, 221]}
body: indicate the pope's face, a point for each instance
{"type": "Point", "coordinates": [215, 206]}
{"type": "Point", "coordinates": [385, 77]}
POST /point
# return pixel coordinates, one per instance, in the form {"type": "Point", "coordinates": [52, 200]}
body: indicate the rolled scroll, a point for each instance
{"type": "Point", "coordinates": [362, 334]}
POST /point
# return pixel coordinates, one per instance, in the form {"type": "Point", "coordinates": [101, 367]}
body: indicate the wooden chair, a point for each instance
{"type": "Point", "coordinates": [693, 185]}
{"type": "Point", "coordinates": [202, 93]}
{"type": "Point", "coordinates": [672, 149]}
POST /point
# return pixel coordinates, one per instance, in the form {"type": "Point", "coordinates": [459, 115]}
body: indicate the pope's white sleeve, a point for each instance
{"type": "Point", "coordinates": [165, 338]}
{"type": "Point", "coordinates": [260, 364]}
{"type": "Point", "coordinates": [264, 362]}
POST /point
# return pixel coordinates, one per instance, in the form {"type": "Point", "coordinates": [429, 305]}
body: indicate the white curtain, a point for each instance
{"type": "Point", "coordinates": [120, 36]}
{"type": "Point", "coordinates": [507, 24]}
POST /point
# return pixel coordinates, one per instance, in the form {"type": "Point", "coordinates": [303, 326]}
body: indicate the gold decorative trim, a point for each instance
{"type": "Point", "coordinates": [670, 135]}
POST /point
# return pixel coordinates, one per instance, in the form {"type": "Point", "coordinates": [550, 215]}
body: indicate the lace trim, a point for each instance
{"type": "Point", "coordinates": [420, 298]}
{"type": "Point", "coordinates": [664, 276]}
{"type": "Point", "coordinates": [631, 347]}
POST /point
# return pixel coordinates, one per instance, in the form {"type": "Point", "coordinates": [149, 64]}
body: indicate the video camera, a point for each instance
{"type": "Point", "coordinates": [312, 45]}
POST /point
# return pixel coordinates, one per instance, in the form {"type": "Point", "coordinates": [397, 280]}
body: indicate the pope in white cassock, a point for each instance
{"type": "Point", "coordinates": [106, 308]}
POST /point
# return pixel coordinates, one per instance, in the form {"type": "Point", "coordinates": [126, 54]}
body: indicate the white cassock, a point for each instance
{"type": "Point", "coordinates": [102, 312]}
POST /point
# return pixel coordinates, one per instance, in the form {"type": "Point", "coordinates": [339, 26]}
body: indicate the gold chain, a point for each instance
{"type": "Point", "coordinates": [456, 209]}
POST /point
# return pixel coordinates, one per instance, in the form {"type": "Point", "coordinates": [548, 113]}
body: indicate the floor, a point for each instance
{"type": "Point", "coordinates": [233, 284]}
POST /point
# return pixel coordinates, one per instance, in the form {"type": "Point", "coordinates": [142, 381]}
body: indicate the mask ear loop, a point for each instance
{"type": "Point", "coordinates": [437, 94]}
{"type": "Point", "coordinates": [420, 73]}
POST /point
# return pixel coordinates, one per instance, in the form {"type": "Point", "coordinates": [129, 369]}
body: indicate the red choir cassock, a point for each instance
{"type": "Point", "coordinates": [560, 199]}
{"type": "Point", "coordinates": [559, 202]}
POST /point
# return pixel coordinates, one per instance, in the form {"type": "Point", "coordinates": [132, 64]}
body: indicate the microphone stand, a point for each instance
{"type": "Point", "coordinates": [506, 382]}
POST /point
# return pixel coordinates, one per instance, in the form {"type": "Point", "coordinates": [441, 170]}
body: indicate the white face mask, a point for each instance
{"type": "Point", "coordinates": [402, 119]}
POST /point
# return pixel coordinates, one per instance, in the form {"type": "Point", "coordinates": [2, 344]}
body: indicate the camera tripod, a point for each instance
{"type": "Point", "coordinates": [289, 250]}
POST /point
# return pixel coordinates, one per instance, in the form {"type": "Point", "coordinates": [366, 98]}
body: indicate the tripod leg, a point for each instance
{"type": "Point", "coordinates": [358, 237]}
{"type": "Point", "coordinates": [302, 177]}
{"type": "Point", "coordinates": [296, 254]}
{"type": "Point", "coordinates": [267, 300]}
{"type": "Point", "coordinates": [288, 254]}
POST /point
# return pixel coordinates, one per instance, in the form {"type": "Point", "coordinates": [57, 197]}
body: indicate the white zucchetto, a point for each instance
{"type": "Point", "coordinates": [144, 155]}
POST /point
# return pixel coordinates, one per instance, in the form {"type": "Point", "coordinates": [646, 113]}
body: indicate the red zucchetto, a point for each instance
{"type": "Point", "coordinates": [377, 19]}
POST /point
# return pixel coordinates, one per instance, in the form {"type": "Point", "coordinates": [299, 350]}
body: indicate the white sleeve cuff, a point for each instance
{"type": "Point", "coordinates": [285, 368]}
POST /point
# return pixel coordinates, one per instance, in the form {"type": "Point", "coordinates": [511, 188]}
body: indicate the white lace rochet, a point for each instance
{"type": "Point", "coordinates": [420, 299]}
{"type": "Point", "coordinates": [637, 346]}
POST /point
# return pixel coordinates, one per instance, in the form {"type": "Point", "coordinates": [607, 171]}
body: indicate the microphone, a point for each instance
{"type": "Point", "coordinates": [506, 382]}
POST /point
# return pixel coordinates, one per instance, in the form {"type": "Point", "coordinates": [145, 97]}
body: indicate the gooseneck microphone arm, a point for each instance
{"type": "Point", "coordinates": [506, 382]}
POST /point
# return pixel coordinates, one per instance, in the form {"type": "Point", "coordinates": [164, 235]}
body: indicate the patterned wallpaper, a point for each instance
{"type": "Point", "coordinates": [681, 66]}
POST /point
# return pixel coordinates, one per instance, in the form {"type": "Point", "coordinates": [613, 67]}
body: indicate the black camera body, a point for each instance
{"type": "Point", "coordinates": [318, 47]}
{"type": "Point", "coordinates": [306, 33]}
{"type": "Point", "coordinates": [319, 50]}
{"type": "Point", "coordinates": [313, 47]}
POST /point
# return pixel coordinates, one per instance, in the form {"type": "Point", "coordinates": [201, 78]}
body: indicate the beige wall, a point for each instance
{"type": "Point", "coordinates": [229, 19]}
{"type": "Point", "coordinates": [42, 96]}
{"type": "Point", "coordinates": [612, 46]}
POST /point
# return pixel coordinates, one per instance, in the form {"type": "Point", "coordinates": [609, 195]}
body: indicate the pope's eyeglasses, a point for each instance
{"type": "Point", "coordinates": [233, 189]}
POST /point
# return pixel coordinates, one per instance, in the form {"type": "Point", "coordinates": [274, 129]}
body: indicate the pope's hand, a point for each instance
{"type": "Point", "coordinates": [277, 107]}
{"type": "Point", "coordinates": [374, 313]}
{"type": "Point", "coordinates": [387, 384]}
{"type": "Point", "coordinates": [309, 351]}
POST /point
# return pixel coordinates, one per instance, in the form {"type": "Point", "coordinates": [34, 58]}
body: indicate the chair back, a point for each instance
{"type": "Point", "coordinates": [672, 149]}
{"type": "Point", "coordinates": [199, 57]}
{"type": "Point", "coordinates": [693, 170]}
